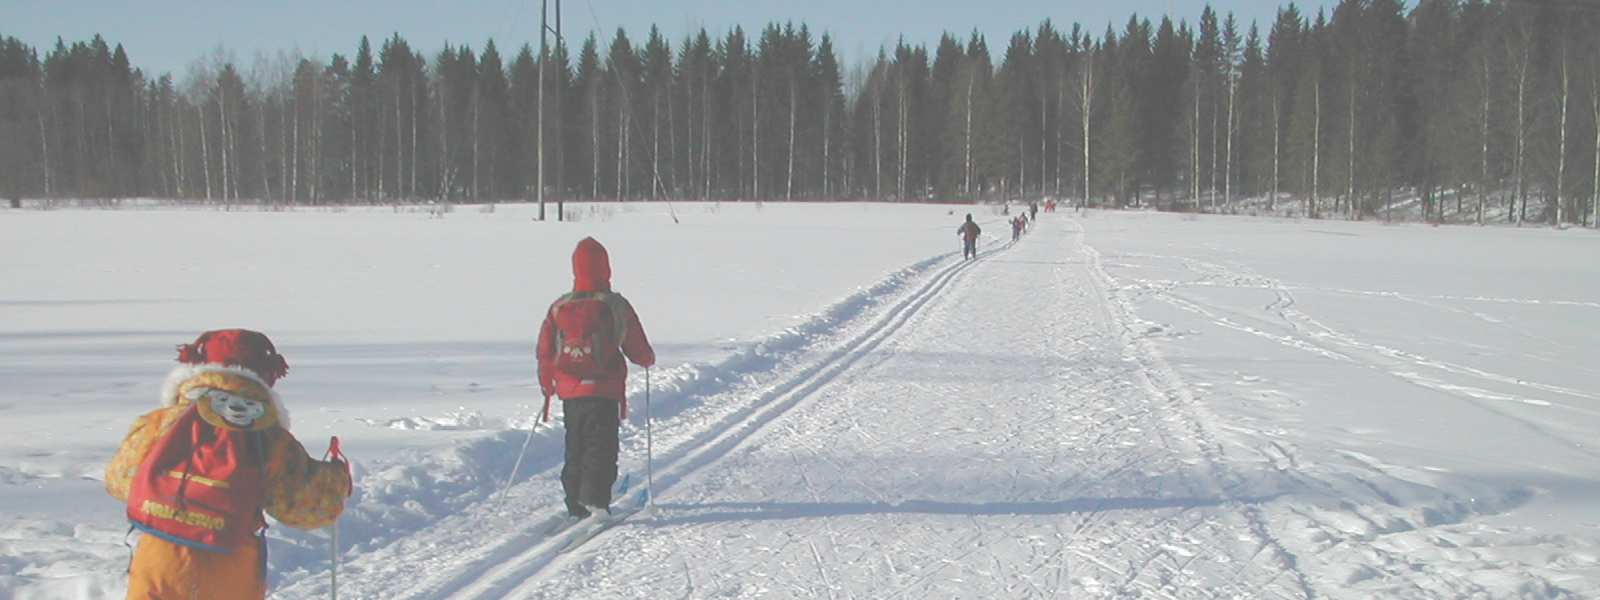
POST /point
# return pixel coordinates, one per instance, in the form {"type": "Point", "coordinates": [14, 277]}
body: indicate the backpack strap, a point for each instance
{"type": "Point", "coordinates": [620, 312]}
{"type": "Point", "coordinates": [620, 309]}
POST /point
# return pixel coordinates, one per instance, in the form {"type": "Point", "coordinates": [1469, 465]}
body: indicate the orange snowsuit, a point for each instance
{"type": "Point", "coordinates": [301, 492]}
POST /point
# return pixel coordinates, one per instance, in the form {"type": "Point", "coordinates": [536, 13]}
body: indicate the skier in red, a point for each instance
{"type": "Point", "coordinates": [585, 337]}
{"type": "Point", "coordinates": [969, 238]}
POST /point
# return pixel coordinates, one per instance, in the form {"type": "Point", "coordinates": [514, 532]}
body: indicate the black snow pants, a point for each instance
{"type": "Point", "coordinates": [969, 249]}
{"type": "Point", "coordinates": [591, 467]}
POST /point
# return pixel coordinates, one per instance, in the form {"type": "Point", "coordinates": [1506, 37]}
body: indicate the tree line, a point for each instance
{"type": "Point", "coordinates": [1466, 109]}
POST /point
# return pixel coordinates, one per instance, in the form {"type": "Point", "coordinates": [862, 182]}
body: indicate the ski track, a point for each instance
{"type": "Point", "coordinates": [1375, 529]}
{"type": "Point", "coordinates": [1095, 472]}
{"type": "Point", "coordinates": [771, 404]}
{"type": "Point", "coordinates": [1004, 427]}
{"type": "Point", "coordinates": [490, 540]}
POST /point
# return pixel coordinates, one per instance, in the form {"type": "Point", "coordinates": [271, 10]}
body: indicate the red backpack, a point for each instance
{"type": "Point", "coordinates": [588, 335]}
{"type": "Point", "coordinates": [201, 486]}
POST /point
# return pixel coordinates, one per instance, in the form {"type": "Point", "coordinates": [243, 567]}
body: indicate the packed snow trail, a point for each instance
{"type": "Point", "coordinates": [1009, 437]}
{"type": "Point", "coordinates": [1007, 427]}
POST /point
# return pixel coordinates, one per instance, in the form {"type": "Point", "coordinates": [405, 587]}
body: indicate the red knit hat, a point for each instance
{"type": "Point", "coordinates": [236, 347]}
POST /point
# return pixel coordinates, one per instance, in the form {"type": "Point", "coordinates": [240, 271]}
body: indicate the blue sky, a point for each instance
{"type": "Point", "coordinates": [167, 35]}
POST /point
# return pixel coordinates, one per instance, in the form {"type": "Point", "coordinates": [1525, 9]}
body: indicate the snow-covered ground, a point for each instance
{"type": "Point", "coordinates": [1120, 405]}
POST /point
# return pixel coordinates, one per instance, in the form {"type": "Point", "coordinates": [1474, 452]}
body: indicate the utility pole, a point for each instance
{"type": "Point", "coordinates": [561, 45]}
{"type": "Point", "coordinates": [544, 56]}
{"type": "Point", "coordinates": [544, 6]}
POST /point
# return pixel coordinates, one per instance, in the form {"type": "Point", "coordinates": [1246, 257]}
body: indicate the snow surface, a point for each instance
{"type": "Point", "coordinates": [1119, 405]}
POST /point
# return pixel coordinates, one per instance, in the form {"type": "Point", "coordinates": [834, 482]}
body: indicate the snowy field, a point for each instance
{"type": "Point", "coordinates": [1120, 405]}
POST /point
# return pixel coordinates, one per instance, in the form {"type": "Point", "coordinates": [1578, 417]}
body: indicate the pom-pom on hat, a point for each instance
{"type": "Point", "coordinates": [236, 347]}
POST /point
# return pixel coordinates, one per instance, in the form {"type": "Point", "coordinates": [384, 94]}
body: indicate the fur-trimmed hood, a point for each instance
{"type": "Point", "coordinates": [183, 373]}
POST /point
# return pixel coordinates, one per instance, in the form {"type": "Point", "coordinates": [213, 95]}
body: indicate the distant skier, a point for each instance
{"type": "Point", "coordinates": [1016, 227]}
{"type": "Point", "coordinates": [585, 337]}
{"type": "Point", "coordinates": [1033, 211]}
{"type": "Point", "coordinates": [197, 473]}
{"type": "Point", "coordinates": [969, 238]}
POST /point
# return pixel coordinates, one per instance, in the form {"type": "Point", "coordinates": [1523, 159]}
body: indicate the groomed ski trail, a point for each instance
{"type": "Point", "coordinates": [771, 403]}
{"type": "Point", "coordinates": [1004, 432]}
{"type": "Point", "coordinates": [490, 545]}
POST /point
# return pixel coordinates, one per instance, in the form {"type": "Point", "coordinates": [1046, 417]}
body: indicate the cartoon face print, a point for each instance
{"type": "Point", "coordinates": [236, 410]}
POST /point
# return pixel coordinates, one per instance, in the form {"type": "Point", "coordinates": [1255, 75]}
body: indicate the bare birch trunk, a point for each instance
{"type": "Point", "coordinates": [755, 139]}
{"type": "Point", "coordinates": [1212, 174]}
{"type": "Point", "coordinates": [1353, 205]}
{"type": "Point", "coordinates": [1277, 135]}
{"type": "Point", "coordinates": [622, 142]}
{"type": "Point", "coordinates": [705, 126]}
{"type": "Point", "coordinates": [1227, 173]}
{"type": "Point", "coordinates": [1194, 155]}
{"type": "Point", "coordinates": [383, 140]}
{"type": "Point", "coordinates": [294, 156]}
{"type": "Point", "coordinates": [877, 140]}
{"type": "Point", "coordinates": [1522, 125]}
{"type": "Point", "coordinates": [1088, 112]}
{"type": "Point", "coordinates": [627, 149]}
{"type": "Point", "coordinates": [477, 107]}
{"type": "Point", "coordinates": [1483, 176]}
{"type": "Point", "coordinates": [673, 163]}
{"type": "Point", "coordinates": [266, 173]}
{"type": "Point", "coordinates": [788, 191]}
{"type": "Point", "coordinates": [1561, 144]}
{"type": "Point", "coordinates": [655, 146]}
{"type": "Point", "coordinates": [355, 154]}
{"type": "Point", "coordinates": [1594, 98]}
{"type": "Point", "coordinates": [444, 145]}
{"type": "Point", "coordinates": [399, 145]}
{"type": "Point", "coordinates": [285, 148]}
{"type": "Point", "coordinates": [900, 125]}
{"type": "Point", "coordinates": [313, 185]}
{"type": "Point", "coordinates": [972, 78]}
{"type": "Point", "coordinates": [1316, 144]}
{"type": "Point", "coordinates": [1044, 161]}
{"type": "Point", "coordinates": [1061, 112]}
{"type": "Point", "coordinates": [205, 149]}
{"type": "Point", "coordinates": [175, 137]}
{"type": "Point", "coordinates": [222, 118]}
{"type": "Point", "coordinates": [594, 144]}
{"type": "Point", "coordinates": [44, 141]}
{"type": "Point", "coordinates": [827, 131]}
{"type": "Point", "coordinates": [412, 185]}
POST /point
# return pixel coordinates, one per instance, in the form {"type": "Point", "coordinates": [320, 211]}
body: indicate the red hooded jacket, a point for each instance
{"type": "Point", "coordinates": [591, 272]}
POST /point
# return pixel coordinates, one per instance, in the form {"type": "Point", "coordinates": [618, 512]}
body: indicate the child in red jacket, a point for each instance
{"type": "Point", "coordinates": [585, 337]}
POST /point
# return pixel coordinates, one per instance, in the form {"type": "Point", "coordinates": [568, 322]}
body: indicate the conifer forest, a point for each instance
{"type": "Point", "coordinates": [1471, 109]}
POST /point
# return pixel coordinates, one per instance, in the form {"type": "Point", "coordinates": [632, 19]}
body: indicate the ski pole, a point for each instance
{"type": "Point", "coordinates": [334, 575]}
{"type": "Point", "coordinates": [649, 450]}
{"type": "Point", "coordinates": [336, 453]}
{"type": "Point", "coordinates": [517, 466]}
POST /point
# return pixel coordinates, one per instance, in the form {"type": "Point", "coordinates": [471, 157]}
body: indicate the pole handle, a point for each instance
{"type": "Point", "coordinates": [336, 453]}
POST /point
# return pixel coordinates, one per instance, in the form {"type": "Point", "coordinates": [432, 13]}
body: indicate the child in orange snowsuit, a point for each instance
{"type": "Point", "coordinates": [203, 535]}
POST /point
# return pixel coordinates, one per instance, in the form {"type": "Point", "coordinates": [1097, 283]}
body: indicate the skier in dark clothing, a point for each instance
{"type": "Point", "coordinates": [1033, 211]}
{"type": "Point", "coordinates": [969, 238]}
{"type": "Point", "coordinates": [585, 337]}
